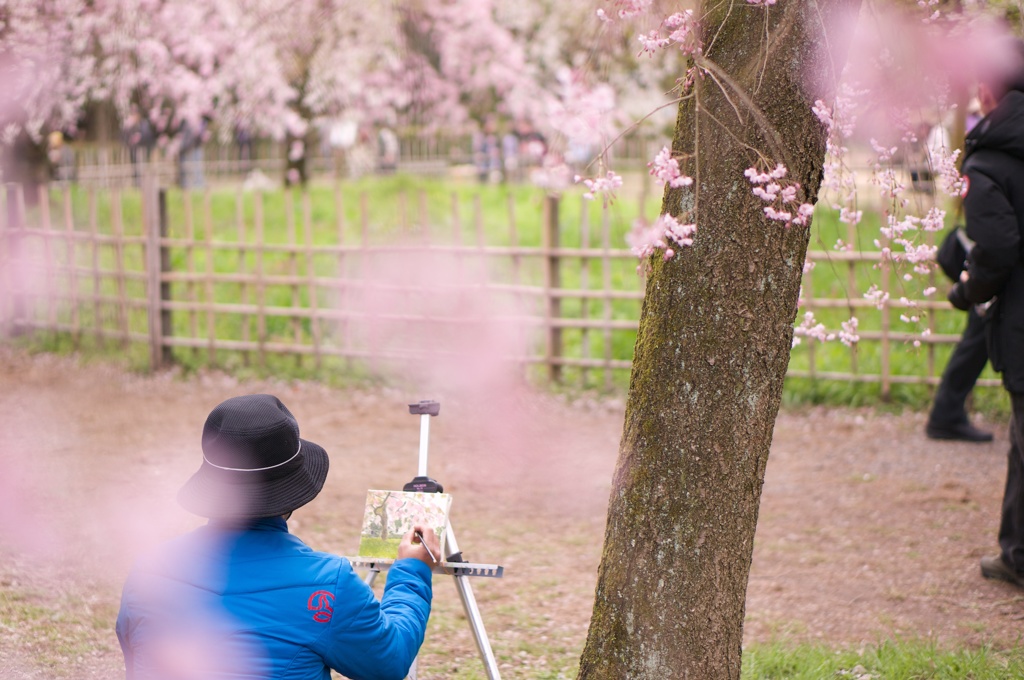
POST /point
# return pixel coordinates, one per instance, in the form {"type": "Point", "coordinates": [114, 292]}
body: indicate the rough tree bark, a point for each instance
{"type": "Point", "coordinates": [712, 351]}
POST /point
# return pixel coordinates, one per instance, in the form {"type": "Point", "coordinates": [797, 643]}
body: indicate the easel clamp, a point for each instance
{"type": "Point", "coordinates": [446, 568]}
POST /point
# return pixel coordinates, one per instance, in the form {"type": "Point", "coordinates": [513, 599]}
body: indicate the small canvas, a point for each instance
{"type": "Point", "coordinates": [389, 515]}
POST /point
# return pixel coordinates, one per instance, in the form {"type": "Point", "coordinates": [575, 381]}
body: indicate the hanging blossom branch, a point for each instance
{"type": "Point", "coordinates": [601, 186]}
{"type": "Point", "coordinates": [644, 240]}
{"type": "Point", "coordinates": [682, 32]}
{"type": "Point", "coordinates": [919, 144]}
{"type": "Point", "coordinates": [665, 169]}
{"type": "Point", "coordinates": [840, 181]}
{"type": "Point", "coordinates": [905, 236]}
{"type": "Point", "coordinates": [666, 233]}
{"type": "Point", "coordinates": [906, 242]}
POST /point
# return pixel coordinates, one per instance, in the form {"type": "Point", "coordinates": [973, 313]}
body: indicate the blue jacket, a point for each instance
{"type": "Point", "coordinates": [253, 601]}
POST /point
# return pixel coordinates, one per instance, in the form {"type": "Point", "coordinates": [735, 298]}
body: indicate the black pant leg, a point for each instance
{"type": "Point", "coordinates": [1011, 525]}
{"type": "Point", "coordinates": [965, 365]}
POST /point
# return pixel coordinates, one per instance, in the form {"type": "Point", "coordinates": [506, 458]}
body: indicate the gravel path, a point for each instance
{"type": "Point", "coordinates": [867, 529]}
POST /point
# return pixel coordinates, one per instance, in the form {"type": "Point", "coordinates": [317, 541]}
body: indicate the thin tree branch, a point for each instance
{"type": "Point", "coordinates": [721, 25]}
{"type": "Point", "coordinates": [633, 126]}
{"type": "Point", "coordinates": [739, 141]}
{"type": "Point", "coordinates": [725, 93]}
{"type": "Point", "coordinates": [774, 138]}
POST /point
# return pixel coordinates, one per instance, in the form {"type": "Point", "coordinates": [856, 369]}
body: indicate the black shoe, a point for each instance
{"type": "Point", "coordinates": [996, 568]}
{"type": "Point", "coordinates": [961, 431]}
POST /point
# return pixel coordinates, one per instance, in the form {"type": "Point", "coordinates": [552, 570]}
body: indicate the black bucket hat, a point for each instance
{"type": "Point", "coordinates": [254, 463]}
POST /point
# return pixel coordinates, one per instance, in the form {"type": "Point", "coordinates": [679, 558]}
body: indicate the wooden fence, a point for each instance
{"type": "Point", "coordinates": [111, 165]}
{"type": "Point", "coordinates": [210, 278]}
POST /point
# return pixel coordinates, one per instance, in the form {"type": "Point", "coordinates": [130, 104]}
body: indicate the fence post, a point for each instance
{"type": "Point", "coordinates": [886, 369]}
{"type": "Point", "coordinates": [552, 282]}
{"type": "Point", "coordinates": [15, 239]}
{"type": "Point", "coordinates": [158, 261]}
{"type": "Point", "coordinates": [6, 260]}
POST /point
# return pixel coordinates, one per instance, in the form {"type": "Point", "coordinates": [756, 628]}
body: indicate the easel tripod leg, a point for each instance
{"type": "Point", "coordinates": [483, 644]}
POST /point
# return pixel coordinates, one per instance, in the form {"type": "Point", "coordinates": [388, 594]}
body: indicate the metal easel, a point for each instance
{"type": "Point", "coordinates": [454, 564]}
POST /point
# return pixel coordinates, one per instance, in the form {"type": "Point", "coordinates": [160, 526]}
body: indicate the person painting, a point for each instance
{"type": "Point", "coordinates": [994, 211]}
{"type": "Point", "coordinates": [241, 597]}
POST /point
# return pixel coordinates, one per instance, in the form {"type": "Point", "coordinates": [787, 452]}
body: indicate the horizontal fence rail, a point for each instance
{"type": "Point", "coordinates": [266, 161]}
{"type": "Point", "coordinates": [231, 277]}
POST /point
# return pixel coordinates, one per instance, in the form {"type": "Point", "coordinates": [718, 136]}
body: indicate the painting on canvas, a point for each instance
{"type": "Point", "coordinates": [389, 515]}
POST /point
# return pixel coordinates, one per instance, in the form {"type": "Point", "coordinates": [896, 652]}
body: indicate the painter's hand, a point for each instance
{"type": "Point", "coordinates": [427, 550]}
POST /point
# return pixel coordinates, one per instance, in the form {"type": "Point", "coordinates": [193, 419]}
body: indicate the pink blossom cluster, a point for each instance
{"type": "Point", "coordinates": [910, 304]}
{"type": "Point", "coordinates": [935, 15]}
{"type": "Point", "coordinates": [644, 240]}
{"type": "Point", "coordinates": [840, 119]}
{"type": "Point", "coordinates": [848, 333]}
{"type": "Point", "coordinates": [810, 328]}
{"type": "Point", "coordinates": [877, 297]}
{"type": "Point", "coordinates": [665, 169]}
{"type": "Point", "coordinates": [584, 113]}
{"type": "Point", "coordinates": [916, 316]}
{"type": "Point", "coordinates": [898, 227]}
{"type": "Point", "coordinates": [934, 220]}
{"type": "Point", "coordinates": [921, 255]}
{"type": "Point", "coordinates": [625, 9]}
{"type": "Point", "coordinates": [632, 8]}
{"type": "Point", "coordinates": [682, 32]}
{"type": "Point", "coordinates": [651, 42]}
{"type": "Point", "coordinates": [903, 232]}
{"type": "Point", "coordinates": [553, 174]}
{"type": "Point", "coordinates": [762, 3]}
{"type": "Point", "coordinates": [601, 186]}
{"type": "Point", "coordinates": [950, 181]}
{"type": "Point", "coordinates": [890, 185]}
{"type": "Point", "coordinates": [884, 153]}
{"type": "Point", "coordinates": [768, 187]}
{"type": "Point", "coordinates": [850, 216]}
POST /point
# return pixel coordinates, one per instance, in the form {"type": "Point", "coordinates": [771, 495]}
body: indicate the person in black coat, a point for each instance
{"type": "Point", "coordinates": [948, 417]}
{"type": "Point", "coordinates": [994, 278]}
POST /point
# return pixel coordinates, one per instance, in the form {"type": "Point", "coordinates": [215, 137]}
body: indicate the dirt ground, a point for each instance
{"type": "Point", "coordinates": [868, 531]}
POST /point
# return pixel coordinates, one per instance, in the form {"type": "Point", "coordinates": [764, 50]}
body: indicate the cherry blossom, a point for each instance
{"type": "Point", "coordinates": [950, 181]}
{"type": "Point", "coordinates": [645, 240]}
{"type": "Point", "coordinates": [665, 169]}
{"type": "Point", "coordinates": [282, 70]}
{"type": "Point", "coordinates": [877, 297]}
{"type": "Point", "coordinates": [768, 186]}
{"type": "Point", "coordinates": [682, 32]}
{"type": "Point", "coordinates": [848, 335]}
{"type": "Point", "coordinates": [810, 328]}
{"type": "Point", "coordinates": [601, 186]}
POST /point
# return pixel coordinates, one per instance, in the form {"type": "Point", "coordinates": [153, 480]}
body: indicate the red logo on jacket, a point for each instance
{"type": "Point", "coordinates": [321, 603]}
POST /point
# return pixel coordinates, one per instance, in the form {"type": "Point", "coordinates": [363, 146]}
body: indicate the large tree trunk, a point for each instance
{"type": "Point", "coordinates": [711, 354]}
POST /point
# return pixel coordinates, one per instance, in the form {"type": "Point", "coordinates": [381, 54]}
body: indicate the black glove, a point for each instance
{"type": "Point", "coordinates": [958, 298]}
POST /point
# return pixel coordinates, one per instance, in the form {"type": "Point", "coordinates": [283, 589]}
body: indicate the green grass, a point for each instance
{"type": "Point", "coordinates": [383, 209]}
{"type": "Point", "coordinates": [370, 546]}
{"type": "Point", "coordinates": [56, 628]}
{"type": "Point", "coordinates": [900, 660]}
